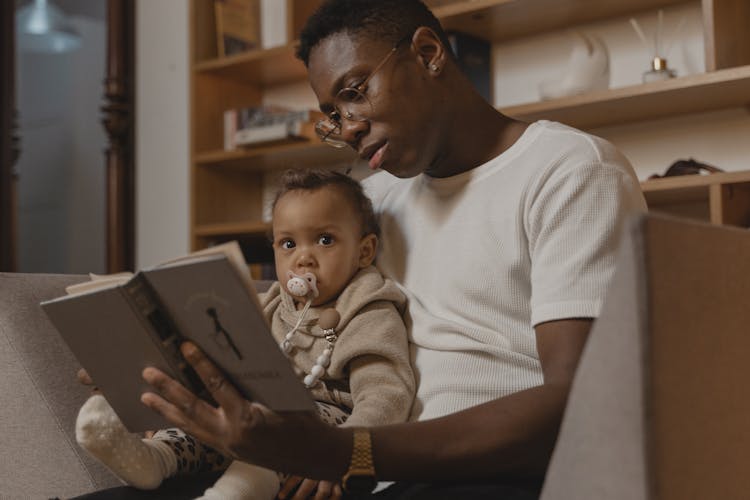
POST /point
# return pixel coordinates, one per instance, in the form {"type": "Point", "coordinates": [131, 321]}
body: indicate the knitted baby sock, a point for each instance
{"type": "Point", "coordinates": [142, 463]}
{"type": "Point", "coordinates": [243, 481]}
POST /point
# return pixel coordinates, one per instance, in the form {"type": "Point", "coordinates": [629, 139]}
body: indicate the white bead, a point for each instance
{"type": "Point", "coordinates": [327, 352]}
{"type": "Point", "coordinates": [323, 360]}
{"type": "Point", "coordinates": [289, 335]}
{"type": "Point", "coordinates": [286, 346]}
{"type": "Point", "coordinates": [310, 380]}
{"type": "Point", "coordinates": [317, 371]}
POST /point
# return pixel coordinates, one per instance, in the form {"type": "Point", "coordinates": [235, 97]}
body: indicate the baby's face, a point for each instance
{"type": "Point", "coordinates": [318, 232]}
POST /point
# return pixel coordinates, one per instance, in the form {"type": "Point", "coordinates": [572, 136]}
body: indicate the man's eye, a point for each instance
{"type": "Point", "coordinates": [287, 244]}
{"type": "Point", "coordinates": [325, 240]}
{"type": "Point", "coordinates": [335, 118]}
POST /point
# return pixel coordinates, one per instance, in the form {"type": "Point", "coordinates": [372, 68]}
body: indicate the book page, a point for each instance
{"type": "Point", "coordinates": [99, 282]}
{"type": "Point", "coordinates": [232, 252]}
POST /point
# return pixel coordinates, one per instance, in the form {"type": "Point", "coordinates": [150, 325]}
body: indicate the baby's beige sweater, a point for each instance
{"type": "Point", "coordinates": [370, 372]}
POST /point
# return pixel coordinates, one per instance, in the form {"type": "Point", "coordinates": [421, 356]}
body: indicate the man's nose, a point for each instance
{"type": "Point", "coordinates": [353, 130]}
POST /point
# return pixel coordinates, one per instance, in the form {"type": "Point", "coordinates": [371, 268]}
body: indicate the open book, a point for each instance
{"type": "Point", "coordinates": [116, 325]}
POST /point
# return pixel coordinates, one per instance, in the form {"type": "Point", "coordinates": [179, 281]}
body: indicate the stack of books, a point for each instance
{"type": "Point", "coordinates": [264, 124]}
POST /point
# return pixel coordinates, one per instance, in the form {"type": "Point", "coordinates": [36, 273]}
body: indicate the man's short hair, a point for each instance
{"type": "Point", "coordinates": [389, 20]}
{"type": "Point", "coordinates": [313, 179]}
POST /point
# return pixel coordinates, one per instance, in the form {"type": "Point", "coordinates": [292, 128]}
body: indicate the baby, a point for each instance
{"type": "Point", "coordinates": [335, 316]}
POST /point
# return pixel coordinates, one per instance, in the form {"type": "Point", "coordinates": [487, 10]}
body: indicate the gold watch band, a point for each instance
{"type": "Point", "coordinates": [360, 477]}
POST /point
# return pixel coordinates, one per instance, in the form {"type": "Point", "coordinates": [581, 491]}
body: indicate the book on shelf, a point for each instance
{"type": "Point", "coordinates": [474, 58]}
{"type": "Point", "coordinates": [263, 124]}
{"type": "Point", "coordinates": [117, 325]}
{"type": "Point", "coordinates": [237, 26]}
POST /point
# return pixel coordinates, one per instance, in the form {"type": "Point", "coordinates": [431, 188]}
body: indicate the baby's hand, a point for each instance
{"type": "Point", "coordinates": [85, 379]}
{"type": "Point", "coordinates": [323, 489]}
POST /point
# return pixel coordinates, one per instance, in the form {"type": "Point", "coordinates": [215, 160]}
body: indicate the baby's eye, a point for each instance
{"type": "Point", "coordinates": [287, 244]}
{"type": "Point", "coordinates": [325, 240]}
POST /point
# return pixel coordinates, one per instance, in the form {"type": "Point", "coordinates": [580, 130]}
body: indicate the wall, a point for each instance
{"type": "Point", "coordinates": [162, 130]}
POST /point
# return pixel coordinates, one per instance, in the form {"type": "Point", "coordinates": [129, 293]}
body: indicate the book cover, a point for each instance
{"type": "Point", "coordinates": [116, 329]}
{"type": "Point", "coordinates": [237, 25]}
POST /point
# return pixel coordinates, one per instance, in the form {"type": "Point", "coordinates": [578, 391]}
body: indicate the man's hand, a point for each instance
{"type": "Point", "coordinates": [303, 488]}
{"type": "Point", "coordinates": [246, 430]}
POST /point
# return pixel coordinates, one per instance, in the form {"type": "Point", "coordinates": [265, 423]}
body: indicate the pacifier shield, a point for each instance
{"type": "Point", "coordinates": [302, 285]}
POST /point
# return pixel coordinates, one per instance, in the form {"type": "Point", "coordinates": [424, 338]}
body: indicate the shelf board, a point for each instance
{"type": "Point", "coordinates": [499, 20]}
{"type": "Point", "coordinates": [263, 68]}
{"type": "Point", "coordinates": [299, 154]}
{"type": "Point", "coordinates": [688, 188]}
{"type": "Point", "coordinates": [721, 89]}
{"type": "Point", "coordinates": [229, 229]}
{"type": "Point", "coordinates": [716, 90]}
{"type": "Point", "coordinates": [694, 181]}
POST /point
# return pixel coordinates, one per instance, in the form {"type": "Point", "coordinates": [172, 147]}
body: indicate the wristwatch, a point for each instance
{"type": "Point", "coordinates": [360, 478]}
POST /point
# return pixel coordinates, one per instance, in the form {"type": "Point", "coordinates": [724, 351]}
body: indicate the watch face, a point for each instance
{"type": "Point", "coordinates": [360, 484]}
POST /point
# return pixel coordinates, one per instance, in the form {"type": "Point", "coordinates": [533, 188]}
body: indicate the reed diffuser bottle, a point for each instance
{"type": "Point", "coordinates": [658, 50]}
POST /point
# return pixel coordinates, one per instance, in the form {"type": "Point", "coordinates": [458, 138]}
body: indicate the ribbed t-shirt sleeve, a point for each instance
{"type": "Point", "coordinates": [573, 225]}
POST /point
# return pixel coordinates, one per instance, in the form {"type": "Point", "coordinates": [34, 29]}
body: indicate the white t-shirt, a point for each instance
{"type": "Point", "coordinates": [483, 256]}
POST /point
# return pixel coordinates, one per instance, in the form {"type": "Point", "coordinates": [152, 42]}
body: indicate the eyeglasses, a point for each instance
{"type": "Point", "coordinates": [351, 103]}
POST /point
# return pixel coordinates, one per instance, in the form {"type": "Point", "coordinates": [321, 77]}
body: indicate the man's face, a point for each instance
{"type": "Point", "coordinates": [396, 137]}
{"type": "Point", "coordinates": [317, 232]}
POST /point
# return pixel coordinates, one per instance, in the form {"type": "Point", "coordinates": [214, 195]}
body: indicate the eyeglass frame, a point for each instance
{"type": "Point", "coordinates": [360, 89]}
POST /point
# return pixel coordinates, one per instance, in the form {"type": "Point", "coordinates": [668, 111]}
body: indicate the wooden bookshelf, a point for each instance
{"type": "Point", "coordinates": [727, 88]}
{"type": "Point", "coordinates": [720, 198]}
{"type": "Point", "coordinates": [502, 20]}
{"type": "Point", "coordinates": [226, 186]}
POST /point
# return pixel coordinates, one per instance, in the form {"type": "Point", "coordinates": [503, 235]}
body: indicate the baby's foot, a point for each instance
{"type": "Point", "coordinates": [142, 463]}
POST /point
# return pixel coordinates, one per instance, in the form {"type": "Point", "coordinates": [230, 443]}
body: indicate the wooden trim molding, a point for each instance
{"type": "Point", "coordinates": [119, 123]}
{"type": "Point", "coordinates": [9, 143]}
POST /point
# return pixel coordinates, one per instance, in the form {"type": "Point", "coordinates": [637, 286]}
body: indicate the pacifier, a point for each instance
{"type": "Point", "coordinates": [304, 285]}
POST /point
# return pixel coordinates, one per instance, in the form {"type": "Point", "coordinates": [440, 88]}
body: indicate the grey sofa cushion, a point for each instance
{"type": "Point", "coordinates": [40, 397]}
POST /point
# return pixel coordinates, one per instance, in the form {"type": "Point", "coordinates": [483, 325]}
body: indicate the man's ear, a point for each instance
{"type": "Point", "coordinates": [368, 247]}
{"type": "Point", "coordinates": [429, 49]}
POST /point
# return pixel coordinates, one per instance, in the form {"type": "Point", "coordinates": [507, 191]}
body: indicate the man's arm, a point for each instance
{"type": "Point", "coordinates": [513, 435]}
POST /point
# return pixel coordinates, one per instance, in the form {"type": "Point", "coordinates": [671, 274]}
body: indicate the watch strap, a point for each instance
{"type": "Point", "coordinates": [360, 477]}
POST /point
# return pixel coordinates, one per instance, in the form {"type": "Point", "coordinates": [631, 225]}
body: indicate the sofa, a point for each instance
{"type": "Point", "coordinates": [658, 409]}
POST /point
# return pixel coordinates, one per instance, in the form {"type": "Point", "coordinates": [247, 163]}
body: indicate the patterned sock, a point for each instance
{"type": "Point", "coordinates": [243, 481]}
{"type": "Point", "coordinates": [142, 463]}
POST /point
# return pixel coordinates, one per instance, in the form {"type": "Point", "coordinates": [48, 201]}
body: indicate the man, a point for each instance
{"type": "Point", "coordinates": [502, 235]}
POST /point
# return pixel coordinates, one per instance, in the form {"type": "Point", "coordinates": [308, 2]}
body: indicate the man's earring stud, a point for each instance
{"type": "Point", "coordinates": [434, 67]}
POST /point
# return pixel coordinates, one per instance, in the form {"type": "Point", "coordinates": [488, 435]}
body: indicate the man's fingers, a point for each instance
{"type": "Point", "coordinates": [289, 485]}
{"type": "Point", "coordinates": [215, 381]}
{"type": "Point", "coordinates": [177, 404]}
{"type": "Point", "coordinates": [337, 492]}
{"type": "Point", "coordinates": [305, 489]}
{"type": "Point", "coordinates": [325, 490]}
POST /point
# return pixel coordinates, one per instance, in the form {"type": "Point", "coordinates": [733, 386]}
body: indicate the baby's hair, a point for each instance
{"type": "Point", "coordinates": [389, 20]}
{"type": "Point", "coordinates": [313, 179]}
